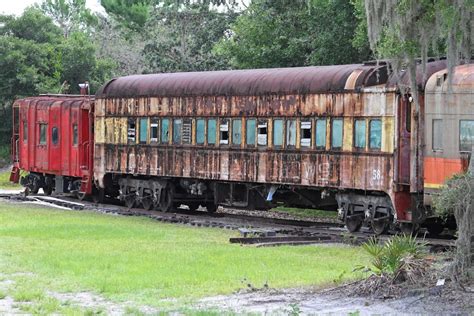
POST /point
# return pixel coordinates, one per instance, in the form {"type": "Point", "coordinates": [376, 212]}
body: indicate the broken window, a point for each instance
{"type": "Point", "coordinates": [165, 130]}
{"type": "Point", "coordinates": [74, 135]}
{"type": "Point", "coordinates": [262, 133]}
{"type": "Point", "coordinates": [321, 133]}
{"type": "Point", "coordinates": [131, 131]}
{"type": "Point", "coordinates": [359, 133]}
{"type": "Point", "coordinates": [55, 135]}
{"type": "Point", "coordinates": [200, 131]}
{"type": "Point", "coordinates": [437, 131]}
{"type": "Point", "coordinates": [237, 132]}
{"type": "Point", "coordinates": [211, 131]}
{"type": "Point", "coordinates": [153, 131]}
{"type": "Point", "coordinates": [177, 130]}
{"type": "Point", "coordinates": [277, 133]}
{"type": "Point", "coordinates": [187, 131]}
{"type": "Point", "coordinates": [224, 132]}
{"type": "Point", "coordinates": [43, 128]}
{"type": "Point", "coordinates": [466, 135]}
{"type": "Point", "coordinates": [306, 131]}
{"type": "Point", "coordinates": [143, 130]}
{"type": "Point", "coordinates": [291, 133]}
{"type": "Point", "coordinates": [375, 134]}
{"type": "Point", "coordinates": [250, 131]}
{"type": "Point", "coordinates": [336, 132]}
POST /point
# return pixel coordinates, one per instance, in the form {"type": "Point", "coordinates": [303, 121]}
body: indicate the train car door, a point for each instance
{"type": "Point", "coordinates": [55, 156]}
{"type": "Point", "coordinates": [404, 140]}
{"type": "Point", "coordinates": [42, 138]}
{"type": "Point", "coordinates": [74, 140]}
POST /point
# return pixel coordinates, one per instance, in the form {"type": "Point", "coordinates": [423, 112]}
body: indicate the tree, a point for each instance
{"type": "Point", "coordinates": [283, 33]}
{"type": "Point", "coordinates": [70, 15]}
{"type": "Point", "coordinates": [132, 14]}
{"type": "Point", "coordinates": [181, 38]}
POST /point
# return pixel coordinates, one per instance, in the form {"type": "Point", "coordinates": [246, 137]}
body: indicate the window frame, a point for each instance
{"type": "Point", "coordinates": [43, 133]}
{"type": "Point", "coordinates": [254, 143]}
{"type": "Point", "coordinates": [341, 119]}
{"type": "Point", "coordinates": [203, 120]}
{"type": "Point", "coordinates": [370, 133]}
{"type": "Point", "coordinates": [75, 135]}
{"type": "Point", "coordinates": [208, 135]}
{"type": "Point", "coordinates": [233, 131]}
{"type": "Point", "coordinates": [223, 130]}
{"type": "Point", "coordinates": [55, 136]}
{"type": "Point", "coordinates": [154, 124]}
{"type": "Point", "coordinates": [311, 128]}
{"type": "Point", "coordinates": [129, 128]}
{"type": "Point", "coordinates": [162, 131]}
{"type": "Point", "coordinates": [262, 122]}
{"type": "Point", "coordinates": [177, 131]}
{"type": "Point", "coordinates": [140, 129]}
{"type": "Point", "coordinates": [283, 134]}
{"type": "Point", "coordinates": [287, 133]}
{"type": "Point", "coordinates": [433, 135]}
{"type": "Point", "coordinates": [325, 121]}
{"type": "Point", "coordinates": [25, 131]}
{"type": "Point", "coordinates": [355, 138]}
{"type": "Point", "coordinates": [459, 138]}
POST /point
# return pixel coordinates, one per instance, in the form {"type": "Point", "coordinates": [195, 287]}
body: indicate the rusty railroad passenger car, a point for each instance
{"type": "Point", "coordinates": [313, 135]}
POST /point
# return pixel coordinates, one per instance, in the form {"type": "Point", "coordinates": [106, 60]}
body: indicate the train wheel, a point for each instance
{"type": "Point", "coordinates": [353, 224]}
{"type": "Point", "coordinates": [81, 196]}
{"type": "Point", "coordinates": [380, 227]}
{"type": "Point", "coordinates": [166, 199]}
{"type": "Point", "coordinates": [409, 229]}
{"type": "Point", "coordinates": [130, 198]}
{"type": "Point", "coordinates": [147, 202]}
{"type": "Point", "coordinates": [211, 207]}
{"type": "Point", "coordinates": [435, 228]}
{"type": "Point", "coordinates": [48, 189]}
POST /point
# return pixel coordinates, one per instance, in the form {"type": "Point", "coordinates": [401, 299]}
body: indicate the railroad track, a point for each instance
{"type": "Point", "coordinates": [256, 230]}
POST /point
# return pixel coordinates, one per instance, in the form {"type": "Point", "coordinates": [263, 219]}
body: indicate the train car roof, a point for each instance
{"type": "Point", "coordinates": [462, 80]}
{"type": "Point", "coordinates": [297, 80]}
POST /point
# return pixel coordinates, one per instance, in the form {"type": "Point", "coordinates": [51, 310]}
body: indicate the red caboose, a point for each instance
{"type": "Point", "coordinates": [52, 140]}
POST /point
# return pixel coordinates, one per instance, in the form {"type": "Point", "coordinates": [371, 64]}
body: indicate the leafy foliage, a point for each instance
{"type": "Point", "coordinates": [286, 33]}
{"type": "Point", "coordinates": [182, 38]}
{"type": "Point", "coordinates": [395, 255]}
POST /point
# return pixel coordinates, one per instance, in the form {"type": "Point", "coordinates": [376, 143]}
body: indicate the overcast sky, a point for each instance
{"type": "Point", "coordinates": [17, 6]}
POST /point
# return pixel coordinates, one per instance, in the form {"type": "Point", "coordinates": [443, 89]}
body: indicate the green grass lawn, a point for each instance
{"type": "Point", "coordinates": [306, 212]}
{"type": "Point", "coordinates": [5, 181]}
{"type": "Point", "coordinates": [141, 260]}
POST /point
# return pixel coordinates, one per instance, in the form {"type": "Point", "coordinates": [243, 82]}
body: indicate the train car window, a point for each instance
{"type": "Point", "coordinates": [43, 128]}
{"type": "Point", "coordinates": [277, 133]}
{"type": "Point", "coordinates": [143, 130]}
{"type": "Point", "coordinates": [75, 135]}
{"type": "Point", "coordinates": [55, 135]}
{"type": "Point", "coordinates": [375, 134]}
{"type": "Point", "coordinates": [132, 130]}
{"type": "Point", "coordinates": [408, 118]}
{"type": "Point", "coordinates": [250, 131]}
{"type": "Point", "coordinates": [437, 135]}
{"type": "Point", "coordinates": [165, 131]}
{"type": "Point", "coordinates": [262, 133]}
{"type": "Point", "coordinates": [224, 132]}
{"type": "Point", "coordinates": [306, 133]}
{"type": "Point", "coordinates": [466, 135]}
{"type": "Point", "coordinates": [336, 133]}
{"type": "Point", "coordinates": [290, 133]}
{"type": "Point", "coordinates": [200, 131]}
{"type": "Point", "coordinates": [153, 130]}
{"type": "Point", "coordinates": [321, 133]}
{"type": "Point", "coordinates": [187, 131]}
{"type": "Point", "coordinates": [236, 132]}
{"type": "Point", "coordinates": [25, 131]}
{"type": "Point", "coordinates": [211, 131]}
{"type": "Point", "coordinates": [177, 130]}
{"type": "Point", "coordinates": [359, 134]}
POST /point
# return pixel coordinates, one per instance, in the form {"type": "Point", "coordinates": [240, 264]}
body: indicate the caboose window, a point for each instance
{"type": "Point", "coordinates": [320, 133]}
{"type": "Point", "coordinates": [165, 130]}
{"type": "Point", "coordinates": [131, 133]}
{"type": "Point", "coordinates": [291, 133]}
{"type": "Point", "coordinates": [154, 130]}
{"type": "Point", "coordinates": [200, 131]}
{"type": "Point", "coordinates": [25, 131]}
{"type": "Point", "coordinates": [74, 135]}
{"type": "Point", "coordinates": [237, 132]}
{"type": "Point", "coordinates": [306, 131]}
{"type": "Point", "coordinates": [211, 131]}
{"type": "Point", "coordinates": [55, 135]}
{"type": "Point", "coordinates": [336, 132]}
{"type": "Point", "coordinates": [143, 130]}
{"type": "Point", "coordinates": [359, 134]}
{"type": "Point", "coordinates": [177, 126]}
{"type": "Point", "coordinates": [43, 128]}
{"type": "Point", "coordinates": [466, 135]}
{"type": "Point", "coordinates": [375, 132]}
{"type": "Point", "coordinates": [224, 132]}
{"type": "Point", "coordinates": [262, 133]}
{"type": "Point", "coordinates": [277, 133]}
{"type": "Point", "coordinates": [437, 134]}
{"type": "Point", "coordinates": [250, 131]}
